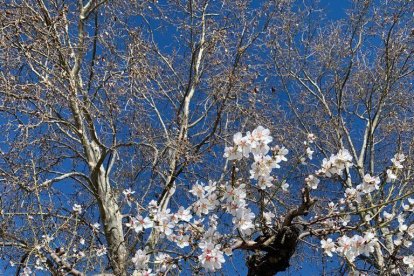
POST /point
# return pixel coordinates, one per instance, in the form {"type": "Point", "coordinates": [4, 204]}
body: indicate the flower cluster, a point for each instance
{"type": "Point", "coordinates": [409, 261]}
{"type": "Point", "coordinates": [207, 197]}
{"type": "Point", "coordinates": [369, 184]}
{"type": "Point", "coordinates": [350, 247]}
{"type": "Point", "coordinates": [336, 164]}
{"type": "Point", "coordinates": [397, 229]}
{"type": "Point", "coordinates": [212, 256]}
{"type": "Point", "coordinates": [256, 143]}
{"type": "Point", "coordinates": [138, 223]}
{"type": "Point", "coordinates": [234, 198]}
{"type": "Point", "coordinates": [397, 161]}
{"type": "Point", "coordinates": [140, 261]}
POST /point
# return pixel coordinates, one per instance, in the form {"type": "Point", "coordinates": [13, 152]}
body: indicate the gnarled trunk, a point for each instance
{"type": "Point", "coordinates": [275, 254]}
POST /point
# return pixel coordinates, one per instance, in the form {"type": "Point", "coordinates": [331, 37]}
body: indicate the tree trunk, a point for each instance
{"type": "Point", "coordinates": [275, 255]}
{"type": "Point", "coordinates": [112, 220]}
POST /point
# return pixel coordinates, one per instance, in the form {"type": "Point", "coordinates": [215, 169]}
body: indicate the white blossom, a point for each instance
{"type": "Point", "coordinates": [268, 217]}
{"type": "Point", "coordinates": [183, 215]}
{"type": "Point", "coordinates": [164, 261]}
{"type": "Point", "coordinates": [140, 260]}
{"type": "Point", "coordinates": [265, 182]}
{"type": "Point", "coordinates": [398, 159]}
{"type": "Point", "coordinates": [280, 153]}
{"type": "Point", "coordinates": [139, 223]}
{"type": "Point", "coordinates": [27, 271]}
{"type": "Point", "coordinates": [312, 181]}
{"type": "Point", "coordinates": [242, 144]}
{"type": "Point", "coordinates": [409, 261]}
{"type": "Point", "coordinates": [212, 257]}
{"type": "Point", "coordinates": [328, 246]}
{"type": "Point", "coordinates": [285, 186]}
{"type": "Point", "coordinates": [391, 176]}
{"type": "Point", "coordinates": [128, 195]}
{"type": "Point", "coordinates": [100, 251]}
{"type": "Point", "coordinates": [309, 153]}
{"type": "Point", "coordinates": [77, 208]}
{"type": "Point", "coordinates": [198, 190]}
{"type": "Point", "coordinates": [231, 153]}
{"type": "Point", "coordinates": [370, 183]}
{"type": "Point", "coordinates": [311, 138]}
{"type": "Point", "coordinates": [243, 220]}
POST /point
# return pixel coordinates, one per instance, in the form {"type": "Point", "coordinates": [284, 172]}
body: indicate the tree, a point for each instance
{"type": "Point", "coordinates": [117, 116]}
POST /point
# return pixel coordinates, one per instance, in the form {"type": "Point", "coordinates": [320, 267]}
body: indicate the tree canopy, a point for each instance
{"type": "Point", "coordinates": [199, 137]}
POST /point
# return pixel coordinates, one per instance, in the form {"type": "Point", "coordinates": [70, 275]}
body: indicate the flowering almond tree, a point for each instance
{"type": "Point", "coordinates": [198, 137]}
